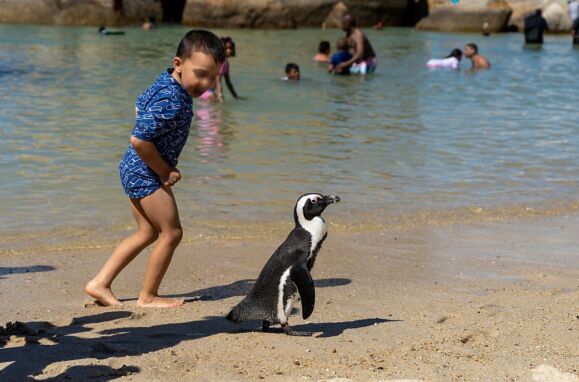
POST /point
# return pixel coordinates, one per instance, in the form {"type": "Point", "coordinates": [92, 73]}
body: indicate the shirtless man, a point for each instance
{"type": "Point", "coordinates": [363, 57]}
{"type": "Point", "coordinates": [478, 61]}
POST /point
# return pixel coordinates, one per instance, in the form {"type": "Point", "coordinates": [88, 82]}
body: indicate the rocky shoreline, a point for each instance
{"type": "Point", "coordinates": [438, 15]}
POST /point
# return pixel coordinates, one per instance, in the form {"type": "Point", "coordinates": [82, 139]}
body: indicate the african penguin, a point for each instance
{"type": "Point", "coordinates": [288, 270]}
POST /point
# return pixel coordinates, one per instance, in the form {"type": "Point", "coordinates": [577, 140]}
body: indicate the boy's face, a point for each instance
{"type": "Point", "coordinates": [197, 73]}
{"type": "Point", "coordinates": [293, 75]}
{"type": "Point", "coordinates": [468, 51]}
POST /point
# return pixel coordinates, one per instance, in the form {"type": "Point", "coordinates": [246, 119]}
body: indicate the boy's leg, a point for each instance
{"type": "Point", "coordinates": [100, 287]}
{"type": "Point", "coordinates": [161, 210]}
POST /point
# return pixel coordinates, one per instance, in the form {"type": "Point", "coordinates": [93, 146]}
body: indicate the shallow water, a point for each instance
{"type": "Point", "coordinates": [406, 140]}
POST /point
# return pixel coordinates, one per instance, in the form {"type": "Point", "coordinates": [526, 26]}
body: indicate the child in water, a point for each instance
{"type": "Point", "coordinates": [147, 170]}
{"type": "Point", "coordinates": [323, 52]}
{"type": "Point", "coordinates": [342, 55]}
{"type": "Point", "coordinates": [292, 72]}
{"type": "Point", "coordinates": [216, 93]}
{"type": "Point", "coordinates": [451, 61]}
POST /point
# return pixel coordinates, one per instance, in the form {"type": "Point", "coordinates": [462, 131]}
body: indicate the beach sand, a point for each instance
{"type": "Point", "coordinates": [483, 301]}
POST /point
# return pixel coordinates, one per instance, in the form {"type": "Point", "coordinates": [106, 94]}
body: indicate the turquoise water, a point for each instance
{"type": "Point", "coordinates": [406, 139]}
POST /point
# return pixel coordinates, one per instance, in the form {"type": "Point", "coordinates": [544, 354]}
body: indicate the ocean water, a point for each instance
{"type": "Point", "coordinates": [406, 141]}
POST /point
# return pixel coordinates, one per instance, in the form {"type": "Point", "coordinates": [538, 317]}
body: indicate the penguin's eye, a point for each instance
{"type": "Point", "coordinates": [314, 201]}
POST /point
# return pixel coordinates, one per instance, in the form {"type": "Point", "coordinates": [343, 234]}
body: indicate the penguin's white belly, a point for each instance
{"type": "Point", "coordinates": [317, 229]}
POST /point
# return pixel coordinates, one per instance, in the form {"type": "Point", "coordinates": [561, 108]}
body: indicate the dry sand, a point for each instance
{"type": "Point", "coordinates": [486, 301]}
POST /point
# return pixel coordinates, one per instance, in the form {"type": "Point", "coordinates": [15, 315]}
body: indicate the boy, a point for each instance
{"type": "Point", "coordinates": [342, 55]}
{"type": "Point", "coordinates": [292, 71]}
{"type": "Point", "coordinates": [478, 61]}
{"type": "Point", "coordinates": [147, 170]}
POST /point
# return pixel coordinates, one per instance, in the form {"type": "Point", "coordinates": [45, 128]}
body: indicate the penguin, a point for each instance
{"type": "Point", "coordinates": [287, 272]}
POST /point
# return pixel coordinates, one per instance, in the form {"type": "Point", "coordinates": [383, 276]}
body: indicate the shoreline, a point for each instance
{"type": "Point", "coordinates": [483, 301]}
{"type": "Point", "coordinates": [106, 235]}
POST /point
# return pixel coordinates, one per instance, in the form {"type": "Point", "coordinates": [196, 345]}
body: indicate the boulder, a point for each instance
{"type": "Point", "coordinates": [77, 12]}
{"type": "Point", "coordinates": [237, 14]}
{"type": "Point", "coordinates": [334, 18]}
{"type": "Point", "coordinates": [557, 17]}
{"type": "Point", "coordinates": [468, 16]}
{"type": "Point", "coordinates": [287, 13]}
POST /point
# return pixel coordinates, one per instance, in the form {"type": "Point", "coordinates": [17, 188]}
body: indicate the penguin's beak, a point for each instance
{"type": "Point", "coordinates": [329, 199]}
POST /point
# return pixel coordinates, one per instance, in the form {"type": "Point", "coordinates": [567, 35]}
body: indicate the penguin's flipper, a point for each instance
{"type": "Point", "coordinates": [303, 280]}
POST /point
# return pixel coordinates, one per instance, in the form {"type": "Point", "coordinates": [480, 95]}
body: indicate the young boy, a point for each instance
{"type": "Point", "coordinates": [292, 71]}
{"type": "Point", "coordinates": [478, 61]}
{"type": "Point", "coordinates": [342, 55]}
{"type": "Point", "coordinates": [164, 112]}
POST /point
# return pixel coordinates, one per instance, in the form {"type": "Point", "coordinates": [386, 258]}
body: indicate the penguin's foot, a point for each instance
{"type": "Point", "coordinates": [265, 326]}
{"type": "Point", "coordinates": [287, 330]}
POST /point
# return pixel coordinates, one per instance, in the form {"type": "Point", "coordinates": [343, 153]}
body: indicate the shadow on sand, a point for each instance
{"type": "Point", "coordinates": [242, 288]}
{"type": "Point", "coordinates": [29, 269]}
{"type": "Point", "coordinates": [46, 344]}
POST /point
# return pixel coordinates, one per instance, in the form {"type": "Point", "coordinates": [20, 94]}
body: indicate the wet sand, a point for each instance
{"type": "Point", "coordinates": [483, 301]}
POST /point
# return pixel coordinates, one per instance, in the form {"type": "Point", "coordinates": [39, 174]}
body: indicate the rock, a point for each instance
{"type": "Point", "coordinates": [334, 18]}
{"type": "Point", "coordinates": [238, 14]}
{"type": "Point", "coordinates": [557, 18]}
{"type": "Point", "coordinates": [555, 12]}
{"type": "Point", "coordinates": [77, 12]}
{"type": "Point", "coordinates": [469, 16]}
{"type": "Point", "coordinates": [546, 373]}
{"type": "Point", "coordinates": [287, 13]}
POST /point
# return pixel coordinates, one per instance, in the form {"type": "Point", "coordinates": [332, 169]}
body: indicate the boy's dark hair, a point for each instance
{"type": "Point", "coordinates": [199, 40]}
{"type": "Point", "coordinates": [473, 46]}
{"type": "Point", "coordinates": [342, 44]}
{"type": "Point", "coordinates": [456, 53]}
{"type": "Point", "coordinates": [324, 47]}
{"type": "Point", "coordinates": [227, 39]}
{"type": "Point", "coordinates": [291, 66]}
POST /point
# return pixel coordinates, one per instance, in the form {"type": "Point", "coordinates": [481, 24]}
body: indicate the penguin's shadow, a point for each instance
{"type": "Point", "coordinates": [328, 329]}
{"type": "Point", "coordinates": [243, 287]}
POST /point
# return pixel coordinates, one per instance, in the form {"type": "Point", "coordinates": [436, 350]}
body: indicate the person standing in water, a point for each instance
{"type": "Point", "coordinates": [363, 59]}
{"type": "Point", "coordinates": [478, 61]}
{"type": "Point", "coordinates": [216, 93]}
{"type": "Point", "coordinates": [147, 170]}
{"type": "Point", "coordinates": [535, 25]}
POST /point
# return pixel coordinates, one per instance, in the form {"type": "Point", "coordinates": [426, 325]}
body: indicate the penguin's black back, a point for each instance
{"type": "Point", "coordinates": [261, 302]}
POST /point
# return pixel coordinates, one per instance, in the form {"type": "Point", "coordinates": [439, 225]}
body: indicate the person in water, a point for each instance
{"type": "Point", "coordinates": [216, 93]}
{"type": "Point", "coordinates": [151, 23]}
{"type": "Point", "coordinates": [292, 72]}
{"type": "Point", "coordinates": [575, 32]}
{"type": "Point", "coordinates": [535, 25]}
{"type": "Point", "coordinates": [147, 170]}
{"type": "Point", "coordinates": [323, 52]}
{"type": "Point", "coordinates": [451, 61]}
{"type": "Point", "coordinates": [104, 31]}
{"type": "Point", "coordinates": [478, 61]}
{"type": "Point", "coordinates": [363, 59]}
{"type": "Point", "coordinates": [342, 55]}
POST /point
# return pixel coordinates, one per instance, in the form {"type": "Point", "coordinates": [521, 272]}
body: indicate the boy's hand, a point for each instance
{"type": "Point", "coordinates": [172, 177]}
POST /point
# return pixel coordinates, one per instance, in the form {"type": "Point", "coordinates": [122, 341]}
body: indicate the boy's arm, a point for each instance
{"type": "Point", "coordinates": [150, 155]}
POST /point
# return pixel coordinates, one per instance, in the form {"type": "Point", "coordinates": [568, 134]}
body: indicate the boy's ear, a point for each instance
{"type": "Point", "coordinates": [177, 63]}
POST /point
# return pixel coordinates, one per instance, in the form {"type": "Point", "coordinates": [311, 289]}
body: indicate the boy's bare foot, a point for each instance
{"type": "Point", "coordinates": [159, 302]}
{"type": "Point", "coordinates": [101, 293]}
